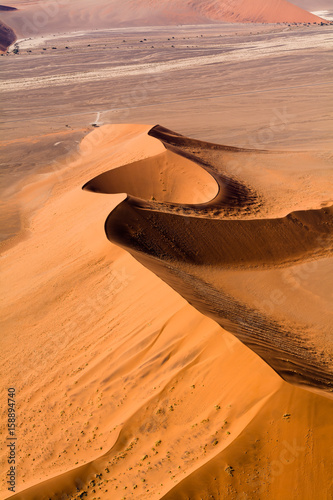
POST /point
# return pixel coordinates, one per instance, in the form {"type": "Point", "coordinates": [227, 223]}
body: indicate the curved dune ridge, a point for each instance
{"type": "Point", "coordinates": [135, 393]}
{"type": "Point", "coordinates": [159, 178]}
{"type": "Point", "coordinates": [88, 14]}
{"type": "Point", "coordinates": [194, 248]}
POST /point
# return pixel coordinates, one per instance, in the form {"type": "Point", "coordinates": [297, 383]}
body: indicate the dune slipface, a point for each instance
{"type": "Point", "coordinates": [211, 237]}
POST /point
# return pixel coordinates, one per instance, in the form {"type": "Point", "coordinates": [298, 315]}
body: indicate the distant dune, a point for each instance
{"type": "Point", "coordinates": [7, 37]}
{"type": "Point", "coordinates": [88, 14]}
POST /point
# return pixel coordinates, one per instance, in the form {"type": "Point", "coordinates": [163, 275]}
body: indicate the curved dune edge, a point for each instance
{"type": "Point", "coordinates": [266, 449]}
{"type": "Point", "coordinates": [180, 243]}
{"type": "Point", "coordinates": [87, 14]}
{"type": "Point", "coordinates": [161, 179]}
{"type": "Point", "coordinates": [211, 194]}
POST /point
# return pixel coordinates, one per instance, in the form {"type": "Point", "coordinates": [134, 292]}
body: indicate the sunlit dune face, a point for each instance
{"type": "Point", "coordinates": [166, 177]}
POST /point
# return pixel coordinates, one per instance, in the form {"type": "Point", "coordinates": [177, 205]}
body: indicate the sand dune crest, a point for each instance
{"type": "Point", "coordinates": [190, 246]}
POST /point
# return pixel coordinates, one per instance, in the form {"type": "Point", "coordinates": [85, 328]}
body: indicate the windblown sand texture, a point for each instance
{"type": "Point", "coordinates": [178, 397]}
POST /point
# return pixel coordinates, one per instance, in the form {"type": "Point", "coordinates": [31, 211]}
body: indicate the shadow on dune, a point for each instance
{"type": "Point", "coordinates": [189, 246]}
{"type": "Point", "coordinates": [7, 36]}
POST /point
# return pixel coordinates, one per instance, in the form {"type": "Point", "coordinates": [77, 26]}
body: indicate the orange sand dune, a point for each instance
{"type": "Point", "coordinates": [159, 178]}
{"type": "Point", "coordinates": [190, 247]}
{"type": "Point", "coordinates": [283, 473]}
{"type": "Point", "coordinates": [82, 15]}
{"type": "Point", "coordinates": [156, 400]}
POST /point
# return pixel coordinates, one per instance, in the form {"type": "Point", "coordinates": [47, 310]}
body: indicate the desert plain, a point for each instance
{"type": "Point", "coordinates": [187, 352]}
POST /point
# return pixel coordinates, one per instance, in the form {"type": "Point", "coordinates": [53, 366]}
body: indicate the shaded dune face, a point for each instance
{"type": "Point", "coordinates": [194, 248]}
{"type": "Point", "coordinates": [164, 178]}
{"type": "Point", "coordinates": [7, 37]}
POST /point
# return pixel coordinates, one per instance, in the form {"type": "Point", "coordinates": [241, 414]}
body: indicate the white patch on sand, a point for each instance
{"type": "Point", "coordinates": [39, 41]}
{"type": "Point", "coordinates": [98, 117]}
{"type": "Point", "coordinates": [324, 14]}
